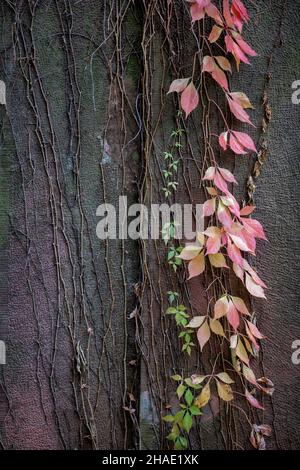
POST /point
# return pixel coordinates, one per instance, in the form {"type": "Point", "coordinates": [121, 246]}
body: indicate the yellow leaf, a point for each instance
{"type": "Point", "coordinates": [204, 397]}
{"type": "Point", "coordinates": [225, 391]}
{"type": "Point", "coordinates": [217, 328]}
{"type": "Point", "coordinates": [241, 352]}
{"type": "Point", "coordinates": [225, 378]}
{"type": "Point", "coordinates": [218, 260]}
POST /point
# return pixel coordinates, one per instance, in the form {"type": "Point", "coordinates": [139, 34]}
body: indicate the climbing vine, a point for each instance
{"type": "Point", "coordinates": [230, 234]}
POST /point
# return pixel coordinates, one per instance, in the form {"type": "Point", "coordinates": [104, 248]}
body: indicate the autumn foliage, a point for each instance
{"type": "Point", "coordinates": [231, 233]}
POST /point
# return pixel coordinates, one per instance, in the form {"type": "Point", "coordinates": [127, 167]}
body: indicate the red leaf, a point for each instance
{"type": "Point", "coordinates": [189, 99]}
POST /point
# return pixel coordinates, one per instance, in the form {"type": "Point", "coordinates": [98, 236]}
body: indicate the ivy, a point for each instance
{"type": "Point", "coordinates": [230, 236]}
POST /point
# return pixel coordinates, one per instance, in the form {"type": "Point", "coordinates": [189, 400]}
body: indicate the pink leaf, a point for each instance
{"type": "Point", "coordinates": [241, 9]}
{"type": "Point", "coordinates": [210, 173]}
{"type": "Point", "coordinates": [235, 146]}
{"type": "Point", "coordinates": [223, 138]}
{"type": "Point", "coordinates": [233, 316]}
{"type": "Point", "coordinates": [227, 175]}
{"type": "Point", "coordinates": [254, 330]}
{"type": "Point", "coordinates": [213, 245]}
{"type": "Point", "coordinates": [203, 334]}
{"type": "Point", "coordinates": [221, 308]}
{"type": "Point", "coordinates": [215, 33]}
{"type": "Point", "coordinates": [229, 43]}
{"type": "Point", "coordinates": [224, 215]}
{"type": "Point", "coordinates": [220, 77]}
{"type": "Point", "coordinates": [223, 63]}
{"type": "Point", "coordinates": [197, 12]}
{"type": "Point", "coordinates": [209, 207]}
{"type": "Point", "coordinates": [178, 85]}
{"type": "Point", "coordinates": [242, 99]}
{"type": "Point", "coordinates": [189, 99]}
{"type": "Point", "coordinates": [239, 53]}
{"type": "Point", "coordinates": [234, 253]}
{"type": "Point", "coordinates": [240, 242]}
{"type": "Point", "coordinates": [253, 273]}
{"type": "Point", "coordinates": [197, 265]}
{"type": "Point", "coordinates": [244, 46]}
{"type": "Point", "coordinates": [212, 11]}
{"type": "Point", "coordinates": [238, 111]}
{"type": "Point", "coordinates": [240, 305]}
{"type": "Point", "coordinates": [226, 13]}
{"type": "Point", "coordinates": [254, 227]}
{"type": "Point", "coordinates": [245, 140]}
{"type": "Point", "coordinates": [253, 288]}
{"type": "Point", "coordinates": [220, 182]}
{"type": "Point", "coordinates": [208, 64]}
{"type": "Point", "coordinates": [247, 210]}
{"type": "Point", "coordinates": [253, 400]}
{"type": "Point", "coordinates": [238, 271]}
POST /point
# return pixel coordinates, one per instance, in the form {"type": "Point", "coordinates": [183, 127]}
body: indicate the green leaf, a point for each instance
{"type": "Point", "coordinates": [189, 397]}
{"type": "Point", "coordinates": [183, 442]}
{"type": "Point", "coordinates": [194, 410]}
{"type": "Point", "coordinates": [187, 422]}
{"type": "Point", "coordinates": [176, 377]}
{"type": "Point", "coordinates": [179, 417]}
{"type": "Point", "coordinates": [171, 310]}
{"type": "Point", "coordinates": [168, 418]}
{"type": "Point", "coordinates": [180, 390]}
